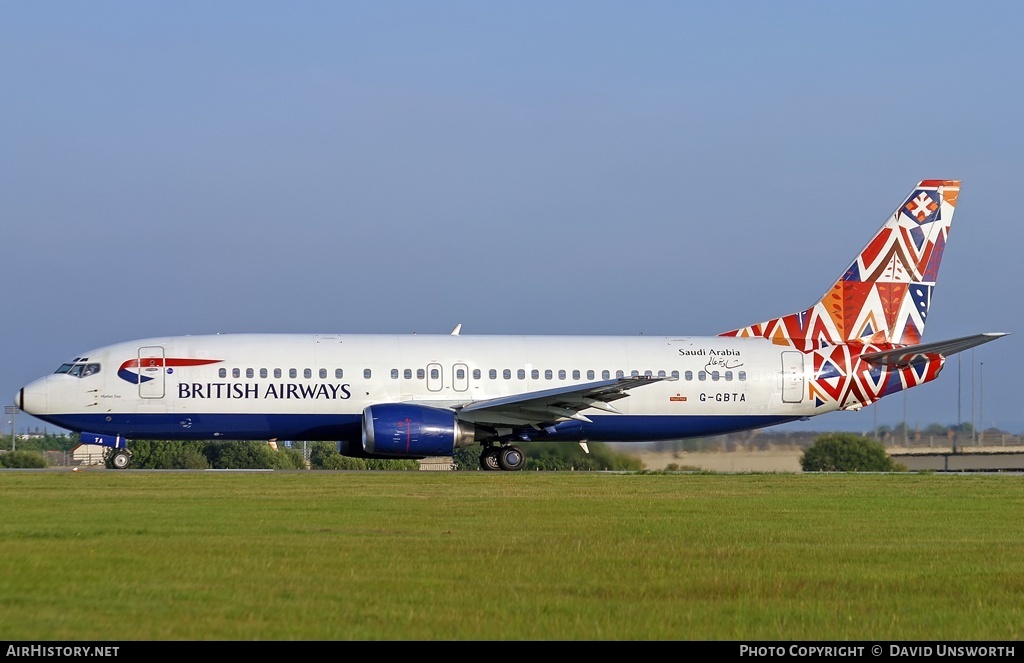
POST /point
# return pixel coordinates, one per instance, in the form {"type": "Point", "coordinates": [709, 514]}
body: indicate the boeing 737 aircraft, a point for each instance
{"type": "Point", "coordinates": [383, 396]}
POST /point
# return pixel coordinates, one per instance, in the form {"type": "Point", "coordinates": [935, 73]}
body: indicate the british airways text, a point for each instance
{"type": "Point", "coordinates": [283, 390]}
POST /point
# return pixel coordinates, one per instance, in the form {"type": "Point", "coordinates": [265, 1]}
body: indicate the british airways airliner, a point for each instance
{"type": "Point", "coordinates": [414, 396]}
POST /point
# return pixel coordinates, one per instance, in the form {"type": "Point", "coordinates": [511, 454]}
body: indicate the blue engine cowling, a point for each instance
{"type": "Point", "coordinates": [401, 430]}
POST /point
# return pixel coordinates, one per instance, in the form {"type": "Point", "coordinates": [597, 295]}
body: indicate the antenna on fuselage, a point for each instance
{"type": "Point", "coordinates": [458, 328]}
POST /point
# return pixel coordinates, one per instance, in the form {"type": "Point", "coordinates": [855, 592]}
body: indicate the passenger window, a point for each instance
{"type": "Point", "coordinates": [675, 374]}
{"type": "Point", "coordinates": [236, 373]}
{"type": "Point", "coordinates": [575, 375]}
{"type": "Point", "coordinates": [394, 373]}
{"type": "Point", "coordinates": [407, 374]}
{"type": "Point", "coordinates": [292, 373]}
{"type": "Point", "coordinates": [263, 372]}
{"type": "Point", "coordinates": [590, 375]}
{"type": "Point", "coordinates": [702, 376]}
{"type": "Point", "coordinates": [688, 375]}
{"type": "Point", "coordinates": [561, 374]}
{"type": "Point", "coordinates": [460, 374]}
{"type": "Point", "coordinates": [493, 374]}
{"type": "Point", "coordinates": [606, 375]}
{"type": "Point", "coordinates": [223, 372]}
{"type": "Point", "coordinates": [323, 373]}
{"type": "Point", "coordinates": [634, 374]}
{"type": "Point", "coordinates": [307, 373]}
{"type": "Point", "coordinates": [661, 374]}
{"type": "Point", "coordinates": [420, 373]}
{"type": "Point", "coordinates": [507, 374]}
{"type": "Point", "coordinates": [277, 372]}
{"type": "Point", "coordinates": [620, 374]}
{"type": "Point", "coordinates": [742, 375]}
{"type": "Point", "coordinates": [367, 374]}
{"type": "Point", "coordinates": [548, 374]}
{"type": "Point", "coordinates": [728, 375]}
{"type": "Point", "coordinates": [476, 373]}
{"type": "Point", "coordinates": [714, 375]}
{"type": "Point", "coordinates": [338, 373]}
{"type": "Point", "coordinates": [249, 373]}
{"type": "Point", "coordinates": [434, 374]}
{"type": "Point", "coordinates": [535, 374]}
{"type": "Point", "coordinates": [521, 374]}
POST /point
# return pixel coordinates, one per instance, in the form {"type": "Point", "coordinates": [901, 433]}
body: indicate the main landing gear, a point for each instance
{"type": "Point", "coordinates": [509, 458]}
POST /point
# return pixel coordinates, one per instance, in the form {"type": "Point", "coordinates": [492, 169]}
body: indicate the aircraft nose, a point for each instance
{"type": "Point", "coordinates": [33, 398]}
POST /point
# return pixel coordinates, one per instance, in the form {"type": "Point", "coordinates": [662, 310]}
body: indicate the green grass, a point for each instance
{"type": "Point", "coordinates": [103, 555]}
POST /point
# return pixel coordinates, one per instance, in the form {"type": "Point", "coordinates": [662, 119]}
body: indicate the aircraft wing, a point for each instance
{"type": "Point", "coordinates": [903, 356]}
{"type": "Point", "coordinates": [540, 408]}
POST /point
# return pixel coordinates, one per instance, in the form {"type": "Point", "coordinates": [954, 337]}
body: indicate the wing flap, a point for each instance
{"type": "Point", "coordinates": [537, 408]}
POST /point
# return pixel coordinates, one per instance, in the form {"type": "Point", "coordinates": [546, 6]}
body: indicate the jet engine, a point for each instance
{"type": "Point", "coordinates": [402, 430]}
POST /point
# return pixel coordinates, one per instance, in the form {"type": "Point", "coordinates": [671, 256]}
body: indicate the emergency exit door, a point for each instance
{"type": "Point", "coordinates": [151, 372]}
{"type": "Point", "coordinates": [792, 377]}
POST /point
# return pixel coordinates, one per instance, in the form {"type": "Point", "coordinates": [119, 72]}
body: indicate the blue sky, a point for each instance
{"type": "Point", "coordinates": [521, 167]}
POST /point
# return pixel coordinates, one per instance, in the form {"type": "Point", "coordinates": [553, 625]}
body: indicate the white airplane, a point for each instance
{"type": "Point", "coordinates": [413, 396]}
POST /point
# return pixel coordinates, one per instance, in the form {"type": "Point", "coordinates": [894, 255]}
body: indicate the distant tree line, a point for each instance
{"type": "Point", "coordinates": [549, 456]}
{"type": "Point", "coordinates": [544, 456]}
{"type": "Point", "coordinates": [890, 435]}
{"type": "Point", "coordinates": [222, 455]}
{"type": "Point", "coordinates": [47, 442]}
{"type": "Point", "coordinates": [200, 455]}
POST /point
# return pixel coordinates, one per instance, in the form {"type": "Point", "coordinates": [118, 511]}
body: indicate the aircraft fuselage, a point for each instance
{"type": "Point", "coordinates": [315, 387]}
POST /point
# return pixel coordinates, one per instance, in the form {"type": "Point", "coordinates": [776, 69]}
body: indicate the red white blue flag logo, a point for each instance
{"type": "Point", "coordinates": [134, 370]}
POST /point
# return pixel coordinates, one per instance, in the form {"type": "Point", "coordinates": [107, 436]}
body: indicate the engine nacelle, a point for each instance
{"type": "Point", "coordinates": [402, 430]}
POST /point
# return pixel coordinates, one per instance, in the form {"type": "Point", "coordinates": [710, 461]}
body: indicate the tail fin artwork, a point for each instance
{"type": "Point", "coordinates": [883, 297]}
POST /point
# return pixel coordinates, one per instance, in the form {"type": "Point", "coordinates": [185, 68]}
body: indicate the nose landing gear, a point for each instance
{"type": "Point", "coordinates": [120, 459]}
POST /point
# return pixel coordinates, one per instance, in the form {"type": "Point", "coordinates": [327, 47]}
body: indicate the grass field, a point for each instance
{"type": "Point", "coordinates": [104, 555]}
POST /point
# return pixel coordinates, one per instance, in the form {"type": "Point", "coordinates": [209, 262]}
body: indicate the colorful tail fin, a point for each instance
{"type": "Point", "coordinates": [884, 295]}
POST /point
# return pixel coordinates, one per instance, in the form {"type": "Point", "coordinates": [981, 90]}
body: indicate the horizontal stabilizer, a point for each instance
{"type": "Point", "coordinates": [904, 356]}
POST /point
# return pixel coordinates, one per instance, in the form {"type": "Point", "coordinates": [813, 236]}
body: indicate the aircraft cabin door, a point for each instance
{"type": "Point", "coordinates": [434, 377]}
{"type": "Point", "coordinates": [460, 377]}
{"type": "Point", "coordinates": [792, 377]}
{"type": "Point", "coordinates": [151, 372]}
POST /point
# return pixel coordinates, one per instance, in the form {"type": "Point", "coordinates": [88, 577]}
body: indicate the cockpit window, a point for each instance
{"type": "Point", "coordinates": [79, 369]}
